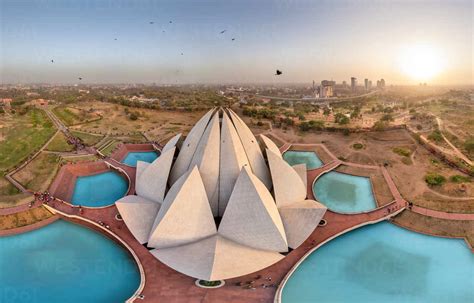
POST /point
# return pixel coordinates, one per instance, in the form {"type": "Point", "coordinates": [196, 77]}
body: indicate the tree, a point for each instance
{"type": "Point", "coordinates": [341, 119]}
{"type": "Point", "coordinates": [133, 116]}
{"type": "Point", "coordinates": [386, 117]}
{"type": "Point", "coordinates": [326, 111]}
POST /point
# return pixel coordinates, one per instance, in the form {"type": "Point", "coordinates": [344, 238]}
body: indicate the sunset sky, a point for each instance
{"type": "Point", "coordinates": [405, 42]}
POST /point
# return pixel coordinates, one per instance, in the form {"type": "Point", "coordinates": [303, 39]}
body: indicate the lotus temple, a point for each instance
{"type": "Point", "coordinates": [224, 215]}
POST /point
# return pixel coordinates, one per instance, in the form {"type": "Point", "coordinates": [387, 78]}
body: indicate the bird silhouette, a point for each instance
{"type": "Point", "coordinates": [278, 72]}
{"type": "Point", "coordinates": [115, 39]}
{"type": "Point", "coordinates": [171, 21]}
{"type": "Point", "coordinates": [151, 22]}
{"type": "Point", "coordinates": [223, 31]}
{"type": "Point", "coordinates": [181, 54]}
{"type": "Point", "coordinates": [52, 61]}
{"type": "Point", "coordinates": [80, 78]}
{"type": "Point", "coordinates": [233, 39]}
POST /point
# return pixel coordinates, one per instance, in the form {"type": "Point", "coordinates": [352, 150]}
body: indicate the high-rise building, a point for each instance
{"type": "Point", "coordinates": [370, 84]}
{"type": "Point", "coordinates": [327, 89]}
{"type": "Point", "coordinates": [344, 84]}
{"type": "Point", "coordinates": [381, 84]}
{"type": "Point", "coordinates": [353, 83]}
{"type": "Point", "coordinates": [366, 84]}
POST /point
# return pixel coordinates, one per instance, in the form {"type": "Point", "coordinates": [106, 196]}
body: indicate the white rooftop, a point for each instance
{"type": "Point", "coordinates": [220, 172]}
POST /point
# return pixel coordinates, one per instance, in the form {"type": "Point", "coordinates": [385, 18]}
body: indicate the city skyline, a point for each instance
{"type": "Point", "coordinates": [127, 42]}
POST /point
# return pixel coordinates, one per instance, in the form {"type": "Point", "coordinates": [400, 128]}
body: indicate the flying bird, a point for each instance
{"type": "Point", "coordinates": [223, 31]}
{"type": "Point", "coordinates": [80, 78]}
{"type": "Point", "coordinates": [233, 39]}
{"type": "Point", "coordinates": [151, 22]}
{"type": "Point", "coordinates": [278, 72]}
{"type": "Point", "coordinates": [52, 61]}
{"type": "Point", "coordinates": [115, 39]}
{"type": "Point", "coordinates": [181, 54]}
{"type": "Point", "coordinates": [171, 21]}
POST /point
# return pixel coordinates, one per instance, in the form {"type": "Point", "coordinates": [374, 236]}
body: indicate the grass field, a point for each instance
{"type": "Point", "coordinates": [21, 135]}
{"type": "Point", "coordinates": [110, 148]}
{"type": "Point", "coordinates": [87, 139]}
{"type": "Point", "coordinates": [24, 218]}
{"type": "Point", "coordinates": [39, 173]}
{"type": "Point", "coordinates": [71, 116]}
{"type": "Point", "coordinates": [441, 227]}
{"type": "Point", "coordinates": [59, 144]}
{"type": "Point", "coordinates": [10, 195]}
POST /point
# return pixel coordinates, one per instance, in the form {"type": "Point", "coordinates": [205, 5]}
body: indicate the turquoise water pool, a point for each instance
{"type": "Point", "coordinates": [99, 190]}
{"type": "Point", "coordinates": [311, 160]}
{"type": "Point", "coordinates": [64, 262]}
{"type": "Point", "coordinates": [344, 193]}
{"type": "Point", "coordinates": [132, 157]}
{"type": "Point", "coordinates": [384, 263]}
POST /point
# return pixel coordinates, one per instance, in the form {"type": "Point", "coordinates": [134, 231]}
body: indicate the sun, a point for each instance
{"type": "Point", "coordinates": [421, 62]}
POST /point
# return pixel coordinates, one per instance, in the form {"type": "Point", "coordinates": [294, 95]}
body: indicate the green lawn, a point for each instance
{"type": "Point", "coordinates": [39, 173]}
{"type": "Point", "coordinates": [110, 148]}
{"type": "Point", "coordinates": [87, 139]}
{"type": "Point", "coordinates": [23, 135]}
{"type": "Point", "coordinates": [66, 115]}
{"type": "Point", "coordinates": [59, 144]}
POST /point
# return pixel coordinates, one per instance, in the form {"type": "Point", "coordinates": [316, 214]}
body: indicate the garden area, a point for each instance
{"type": "Point", "coordinates": [21, 134]}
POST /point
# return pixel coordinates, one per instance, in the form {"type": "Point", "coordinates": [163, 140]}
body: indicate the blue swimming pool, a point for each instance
{"type": "Point", "coordinates": [384, 263]}
{"type": "Point", "coordinates": [344, 193]}
{"type": "Point", "coordinates": [132, 157]}
{"type": "Point", "coordinates": [64, 262]}
{"type": "Point", "coordinates": [311, 160]}
{"type": "Point", "coordinates": [99, 190]}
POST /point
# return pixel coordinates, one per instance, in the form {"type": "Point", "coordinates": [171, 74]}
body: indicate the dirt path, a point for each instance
{"type": "Point", "coordinates": [456, 152]}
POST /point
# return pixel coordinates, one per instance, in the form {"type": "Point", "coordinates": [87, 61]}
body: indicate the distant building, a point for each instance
{"type": "Point", "coordinates": [327, 89]}
{"type": "Point", "coordinates": [381, 84]}
{"type": "Point", "coordinates": [40, 102]}
{"type": "Point", "coordinates": [366, 84]}
{"type": "Point", "coordinates": [344, 84]}
{"type": "Point", "coordinates": [6, 102]}
{"type": "Point", "coordinates": [370, 84]}
{"type": "Point", "coordinates": [353, 83]}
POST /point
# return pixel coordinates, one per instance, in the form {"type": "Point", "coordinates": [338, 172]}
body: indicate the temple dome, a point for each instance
{"type": "Point", "coordinates": [220, 171]}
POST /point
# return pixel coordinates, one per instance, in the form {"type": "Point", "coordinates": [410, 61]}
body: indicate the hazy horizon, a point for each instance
{"type": "Point", "coordinates": [307, 40]}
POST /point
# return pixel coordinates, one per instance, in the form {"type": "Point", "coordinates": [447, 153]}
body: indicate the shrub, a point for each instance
{"type": "Point", "coordinates": [459, 179]}
{"type": "Point", "coordinates": [386, 117]}
{"type": "Point", "coordinates": [209, 283]}
{"type": "Point", "coordinates": [346, 132]}
{"type": "Point", "coordinates": [380, 125]}
{"type": "Point", "coordinates": [435, 136]}
{"type": "Point", "coordinates": [469, 145]}
{"type": "Point", "coordinates": [358, 146]}
{"type": "Point", "coordinates": [133, 116]}
{"type": "Point", "coordinates": [402, 151]}
{"type": "Point", "coordinates": [434, 179]}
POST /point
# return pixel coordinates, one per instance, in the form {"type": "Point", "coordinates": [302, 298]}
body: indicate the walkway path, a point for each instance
{"type": "Point", "coordinates": [441, 214]}
{"type": "Point", "coordinates": [163, 284]}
